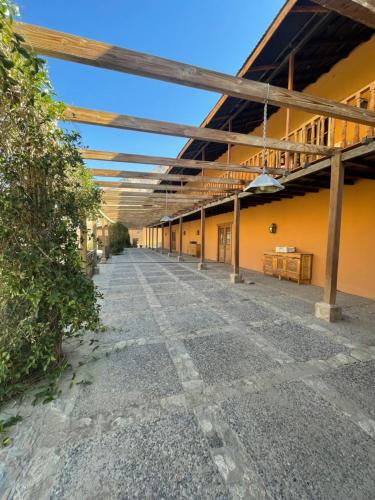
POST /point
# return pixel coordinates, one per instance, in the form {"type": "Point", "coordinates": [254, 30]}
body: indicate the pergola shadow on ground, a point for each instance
{"type": "Point", "coordinates": [203, 389]}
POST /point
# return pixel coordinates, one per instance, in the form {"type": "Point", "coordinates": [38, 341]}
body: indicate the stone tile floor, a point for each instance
{"type": "Point", "coordinates": [205, 390]}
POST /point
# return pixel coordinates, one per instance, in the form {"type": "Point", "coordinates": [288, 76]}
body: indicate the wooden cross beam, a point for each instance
{"type": "Point", "coordinates": [161, 187]}
{"type": "Point", "coordinates": [85, 51]}
{"type": "Point", "coordinates": [114, 120]}
{"type": "Point", "coordinates": [115, 193]}
{"type": "Point", "coordinates": [89, 154]}
{"type": "Point", "coordinates": [361, 11]}
{"type": "Point", "coordinates": [128, 174]}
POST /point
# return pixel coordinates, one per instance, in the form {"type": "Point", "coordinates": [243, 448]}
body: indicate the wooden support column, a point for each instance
{"type": "Point", "coordinates": [328, 310]}
{"type": "Point", "coordinates": [180, 257]}
{"type": "Point", "coordinates": [202, 264]}
{"type": "Point", "coordinates": [95, 248]}
{"type": "Point", "coordinates": [236, 277]}
{"type": "Point", "coordinates": [170, 240]}
{"type": "Point", "coordinates": [157, 238]}
{"type": "Point", "coordinates": [152, 238]}
{"type": "Point", "coordinates": [162, 238]}
{"type": "Point", "coordinates": [287, 124]}
{"type": "Point", "coordinates": [83, 238]}
{"type": "Point", "coordinates": [104, 243]}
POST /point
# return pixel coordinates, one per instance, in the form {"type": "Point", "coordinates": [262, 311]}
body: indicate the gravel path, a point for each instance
{"type": "Point", "coordinates": [203, 390]}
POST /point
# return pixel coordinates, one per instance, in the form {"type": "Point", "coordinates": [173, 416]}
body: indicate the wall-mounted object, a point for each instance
{"type": "Point", "coordinates": [197, 232]}
{"type": "Point", "coordinates": [184, 233]}
{"type": "Point", "coordinates": [272, 228]}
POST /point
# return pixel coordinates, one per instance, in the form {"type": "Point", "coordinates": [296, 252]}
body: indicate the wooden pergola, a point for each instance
{"type": "Point", "coordinates": [138, 198]}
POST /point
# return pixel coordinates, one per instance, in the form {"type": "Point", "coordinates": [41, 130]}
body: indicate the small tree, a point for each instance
{"type": "Point", "coordinates": [45, 195]}
{"type": "Point", "coordinates": [118, 238]}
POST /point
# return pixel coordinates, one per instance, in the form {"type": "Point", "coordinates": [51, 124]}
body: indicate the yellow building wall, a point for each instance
{"type": "Point", "coordinates": [302, 222]}
{"type": "Point", "coordinates": [345, 78]}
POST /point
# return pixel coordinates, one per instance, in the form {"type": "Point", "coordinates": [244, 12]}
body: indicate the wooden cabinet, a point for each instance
{"type": "Point", "coordinates": [292, 266]}
{"type": "Point", "coordinates": [194, 249]}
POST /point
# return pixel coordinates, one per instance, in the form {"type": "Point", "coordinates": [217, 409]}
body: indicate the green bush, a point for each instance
{"type": "Point", "coordinates": [45, 195]}
{"type": "Point", "coordinates": [118, 238]}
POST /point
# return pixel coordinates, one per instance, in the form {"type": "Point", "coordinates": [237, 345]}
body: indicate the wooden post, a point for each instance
{"type": "Point", "coordinates": [146, 237]}
{"type": "Point", "coordinates": [83, 237]}
{"type": "Point", "coordinates": [290, 87]}
{"type": "Point", "coordinates": [328, 309]}
{"type": "Point", "coordinates": [371, 107]}
{"type": "Point", "coordinates": [180, 257]}
{"type": "Point", "coordinates": [104, 243]}
{"type": "Point", "coordinates": [152, 238]}
{"type": "Point", "coordinates": [170, 240]}
{"type": "Point", "coordinates": [236, 277]}
{"type": "Point", "coordinates": [202, 264]}
{"type": "Point", "coordinates": [95, 248]}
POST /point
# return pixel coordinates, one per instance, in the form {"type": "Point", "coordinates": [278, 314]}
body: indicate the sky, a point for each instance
{"type": "Point", "coordinates": [214, 34]}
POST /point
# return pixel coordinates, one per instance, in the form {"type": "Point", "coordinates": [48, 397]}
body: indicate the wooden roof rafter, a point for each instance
{"type": "Point", "coordinates": [115, 120]}
{"type": "Point", "coordinates": [128, 174]}
{"type": "Point", "coordinates": [89, 154]}
{"type": "Point", "coordinates": [85, 51]}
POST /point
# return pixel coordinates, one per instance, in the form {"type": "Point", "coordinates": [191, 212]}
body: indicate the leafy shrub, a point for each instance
{"type": "Point", "coordinates": [118, 238]}
{"type": "Point", "coordinates": [45, 196]}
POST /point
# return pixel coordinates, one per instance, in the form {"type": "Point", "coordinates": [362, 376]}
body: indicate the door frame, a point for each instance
{"type": "Point", "coordinates": [222, 226]}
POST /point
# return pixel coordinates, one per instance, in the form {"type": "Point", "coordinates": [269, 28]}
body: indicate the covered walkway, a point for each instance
{"type": "Point", "coordinates": [203, 389]}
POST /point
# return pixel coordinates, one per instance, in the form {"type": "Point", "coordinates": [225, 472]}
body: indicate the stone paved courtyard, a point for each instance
{"type": "Point", "coordinates": [202, 389]}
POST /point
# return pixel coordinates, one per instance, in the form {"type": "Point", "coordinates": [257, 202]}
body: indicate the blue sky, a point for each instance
{"type": "Point", "coordinates": [215, 34]}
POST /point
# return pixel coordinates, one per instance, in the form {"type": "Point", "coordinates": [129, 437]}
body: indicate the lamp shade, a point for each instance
{"type": "Point", "coordinates": [264, 183]}
{"type": "Point", "coordinates": [166, 218]}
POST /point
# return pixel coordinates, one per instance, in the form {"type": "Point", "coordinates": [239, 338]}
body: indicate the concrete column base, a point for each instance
{"type": "Point", "coordinates": [180, 258]}
{"type": "Point", "coordinates": [202, 266]}
{"type": "Point", "coordinates": [328, 312]}
{"type": "Point", "coordinates": [236, 278]}
{"type": "Point", "coordinates": [170, 254]}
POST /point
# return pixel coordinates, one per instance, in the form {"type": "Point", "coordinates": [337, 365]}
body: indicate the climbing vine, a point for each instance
{"type": "Point", "coordinates": [45, 196]}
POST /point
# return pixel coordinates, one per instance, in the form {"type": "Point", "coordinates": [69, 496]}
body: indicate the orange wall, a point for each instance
{"type": "Point", "coordinates": [345, 78]}
{"type": "Point", "coordinates": [302, 222]}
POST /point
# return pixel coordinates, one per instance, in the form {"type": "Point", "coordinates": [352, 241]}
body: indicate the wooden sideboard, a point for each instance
{"type": "Point", "coordinates": [292, 266]}
{"type": "Point", "coordinates": [194, 249]}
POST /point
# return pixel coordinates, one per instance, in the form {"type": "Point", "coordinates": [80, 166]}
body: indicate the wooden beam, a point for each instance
{"type": "Point", "coordinates": [89, 154]}
{"type": "Point", "coordinates": [309, 9]}
{"type": "Point", "coordinates": [85, 51]}
{"type": "Point", "coordinates": [128, 174]}
{"type": "Point", "coordinates": [265, 67]}
{"type": "Point", "coordinates": [360, 11]}
{"type": "Point", "coordinates": [119, 193]}
{"type": "Point", "coordinates": [162, 237]}
{"type": "Point", "coordinates": [161, 187]}
{"type": "Point", "coordinates": [114, 120]}
{"type": "Point", "coordinates": [170, 237]}
{"type": "Point", "coordinates": [334, 225]}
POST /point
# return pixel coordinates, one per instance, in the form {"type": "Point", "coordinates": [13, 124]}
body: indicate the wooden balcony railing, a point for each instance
{"type": "Point", "coordinates": [322, 131]}
{"type": "Point", "coordinates": [318, 130]}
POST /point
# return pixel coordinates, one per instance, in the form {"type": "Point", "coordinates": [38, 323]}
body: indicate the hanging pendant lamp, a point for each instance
{"type": "Point", "coordinates": [264, 183]}
{"type": "Point", "coordinates": [166, 217]}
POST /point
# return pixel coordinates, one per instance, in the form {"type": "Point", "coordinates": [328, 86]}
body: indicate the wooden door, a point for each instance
{"type": "Point", "coordinates": [225, 244]}
{"type": "Point", "coordinates": [173, 241]}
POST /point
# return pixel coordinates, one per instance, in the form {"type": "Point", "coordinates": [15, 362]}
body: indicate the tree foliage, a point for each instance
{"type": "Point", "coordinates": [118, 238]}
{"type": "Point", "coordinates": [45, 196]}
